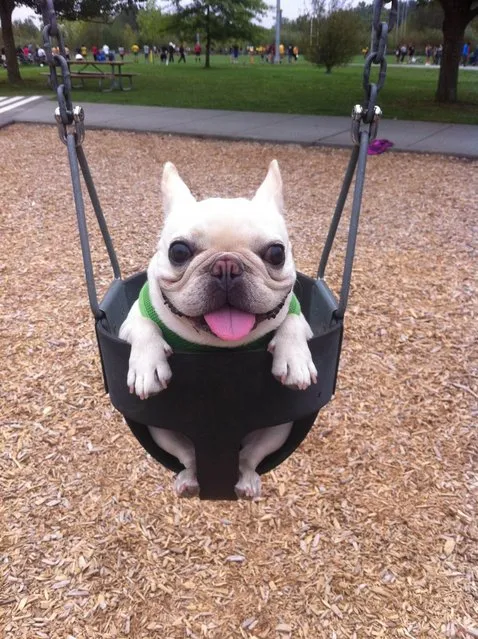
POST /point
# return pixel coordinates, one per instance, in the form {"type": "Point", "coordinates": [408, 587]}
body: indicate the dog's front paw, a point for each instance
{"type": "Point", "coordinates": [149, 372]}
{"type": "Point", "coordinates": [249, 485]}
{"type": "Point", "coordinates": [292, 364]}
{"type": "Point", "coordinates": [186, 483]}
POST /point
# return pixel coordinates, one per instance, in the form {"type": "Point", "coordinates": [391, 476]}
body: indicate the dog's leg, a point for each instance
{"type": "Point", "coordinates": [255, 447]}
{"type": "Point", "coordinates": [177, 444]}
{"type": "Point", "coordinates": [149, 371]}
{"type": "Point", "coordinates": [292, 362]}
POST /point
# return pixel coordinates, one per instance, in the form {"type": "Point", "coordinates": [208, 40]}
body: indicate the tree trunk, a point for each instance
{"type": "Point", "coordinates": [454, 24]}
{"type": "Point", "coordinates": [6, 10]}
{"type": "Point", "coordinates": [208, 39]}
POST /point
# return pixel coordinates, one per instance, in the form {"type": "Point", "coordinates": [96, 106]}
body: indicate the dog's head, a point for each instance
{"type": "Point", "coordinates": [223, 272]}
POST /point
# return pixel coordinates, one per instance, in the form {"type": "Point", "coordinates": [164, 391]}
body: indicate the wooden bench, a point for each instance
{"type": "Point", "coordinates": [115, 79]}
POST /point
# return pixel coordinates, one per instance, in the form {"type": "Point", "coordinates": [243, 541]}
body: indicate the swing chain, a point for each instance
{"type": "Point", "coordinates": [370, 113]}
{"type": "Point", "coordinates": [66, 115]}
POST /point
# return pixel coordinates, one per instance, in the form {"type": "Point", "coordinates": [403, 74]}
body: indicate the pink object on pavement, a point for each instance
{"type": "Point", "coordinates": [379, 146]}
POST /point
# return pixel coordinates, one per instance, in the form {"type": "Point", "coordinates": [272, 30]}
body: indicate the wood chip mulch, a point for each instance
{"type": "Point", "coordinates": [368, 530]}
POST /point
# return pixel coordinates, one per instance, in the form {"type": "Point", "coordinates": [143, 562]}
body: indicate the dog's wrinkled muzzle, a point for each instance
{"type": "Point", "coordinates": [226, 271]}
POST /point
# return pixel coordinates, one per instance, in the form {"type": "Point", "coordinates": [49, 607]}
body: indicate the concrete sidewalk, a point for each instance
{"type": "Point", "coordinates": [430, 137]}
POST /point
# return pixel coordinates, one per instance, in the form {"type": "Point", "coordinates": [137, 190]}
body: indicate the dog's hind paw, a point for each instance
{"type": "Point", "coordinates": [186, 484]}
{"type": "Point", "coordinates": [249, 485]}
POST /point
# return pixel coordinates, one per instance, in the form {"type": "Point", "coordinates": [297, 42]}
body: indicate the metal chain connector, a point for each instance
{"type": "Point", "coordinates": [369, 113]}
{"type": "Point", "coordinates": [358, 116]}
{"type": "Point", "coordinates": [77, 127]}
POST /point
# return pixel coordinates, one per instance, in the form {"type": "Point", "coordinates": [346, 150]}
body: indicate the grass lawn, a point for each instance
{"type": "Point", "coordinates": [289, 88]}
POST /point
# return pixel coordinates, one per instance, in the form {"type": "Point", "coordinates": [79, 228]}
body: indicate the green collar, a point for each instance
{"type": "Point", "coordinates": [179, 343]}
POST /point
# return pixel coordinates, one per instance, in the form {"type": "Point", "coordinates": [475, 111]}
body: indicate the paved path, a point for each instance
{"type": "Point", "coordinates": [18, 102]}
{"type": "Point", "coordinates": [431, 137]}
{"type": "Point", "coordinates": [418, 65]}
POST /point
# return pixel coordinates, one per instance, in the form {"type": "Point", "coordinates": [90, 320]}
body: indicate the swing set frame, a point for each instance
{"type": "Point", "coordinates": [215, 399]}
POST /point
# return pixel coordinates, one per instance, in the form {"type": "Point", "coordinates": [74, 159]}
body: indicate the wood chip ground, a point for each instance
{"type": "Point", "coordinates": [368, 530]}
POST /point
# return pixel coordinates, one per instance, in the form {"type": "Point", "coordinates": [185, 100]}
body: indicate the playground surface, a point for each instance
{"type": "Point", "coordinates": [368, 530]}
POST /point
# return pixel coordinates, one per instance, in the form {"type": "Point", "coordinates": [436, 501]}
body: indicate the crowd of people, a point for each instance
{"type": "Point", "coordinates": [268, 53]}
{"type": "Point", "coordinates": [467, 56]}
{"type": "Point", "coordinates": [433, 55]}
{"type": "Point", "coordinates": [29, 54]}
{"type": "Point", "coordinates": [32, 54]}
{"type": "Point", "coordinates": [166, 53]}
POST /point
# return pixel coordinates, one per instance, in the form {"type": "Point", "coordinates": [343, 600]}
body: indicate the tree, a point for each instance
{"type": "Point", "coordinates": [457, 15]}
{"type": "Point", "coordinates": [291, 32]}
{"type": "Point", "coordinates": [151, 22]}
{"type": "Point", "coordinates": [26, 31]}
{"type": "Point", "coordinates": [338, 40]}
{"type": "Point", "coordinates": [219, 20]}
{"type": "Point", "coordinates": [129, 36]}
{"type": "Point", "coordinates": [68, 9]}
{"type": "Point", "coordinates": [6, 10]}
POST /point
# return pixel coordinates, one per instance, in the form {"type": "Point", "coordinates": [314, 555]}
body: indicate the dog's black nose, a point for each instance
{"type": "Point", "coordinates": [227, 270]}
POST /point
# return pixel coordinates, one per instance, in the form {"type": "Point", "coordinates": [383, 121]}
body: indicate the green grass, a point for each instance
{"type": "Point", "coordinates": [302, 88]}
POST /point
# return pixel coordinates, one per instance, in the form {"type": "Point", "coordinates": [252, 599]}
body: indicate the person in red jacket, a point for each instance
{"type": "Point", "coordinates": [197, 51]}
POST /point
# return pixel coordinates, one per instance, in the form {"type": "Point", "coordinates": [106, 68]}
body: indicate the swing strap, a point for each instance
{"type": "Point", "coordinates": [70, 121]}
{"type": "Point", "coordinates": [365, 119]}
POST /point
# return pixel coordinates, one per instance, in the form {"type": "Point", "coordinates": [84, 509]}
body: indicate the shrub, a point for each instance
{"type": "Point", "coordinates": [339, 38]}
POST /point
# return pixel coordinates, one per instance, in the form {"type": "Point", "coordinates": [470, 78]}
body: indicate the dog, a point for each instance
{"type": "Point", "coordinates": [222, 275]}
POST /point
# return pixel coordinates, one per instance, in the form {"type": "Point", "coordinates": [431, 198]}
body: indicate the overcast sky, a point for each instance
{"type": "Point", "coordinates": [290, 9]}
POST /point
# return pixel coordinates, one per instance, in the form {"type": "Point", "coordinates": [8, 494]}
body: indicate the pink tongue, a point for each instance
{"type": "Point", "coordinates": [230, 324]}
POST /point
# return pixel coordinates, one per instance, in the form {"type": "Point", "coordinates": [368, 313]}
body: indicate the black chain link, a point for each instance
{"type": "Point", "coordinates": [62, 84]}
{"type": "Point", "coordinates": [369, 112]}
{"type": "Point", "coordinates": [380, 31]}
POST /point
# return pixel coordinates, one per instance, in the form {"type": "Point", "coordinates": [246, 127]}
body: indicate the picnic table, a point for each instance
{"type": "Point", "coordinates": [110, 71]}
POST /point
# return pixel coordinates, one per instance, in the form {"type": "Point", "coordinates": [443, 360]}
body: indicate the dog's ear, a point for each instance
{"type": "Point", "coordinates": [270, 190]}
{"type": "Point", "coordinates": [173, 189]}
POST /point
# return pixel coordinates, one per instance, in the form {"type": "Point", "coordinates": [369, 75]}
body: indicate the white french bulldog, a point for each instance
{"type": "Point", "coordinates": [223, 275]}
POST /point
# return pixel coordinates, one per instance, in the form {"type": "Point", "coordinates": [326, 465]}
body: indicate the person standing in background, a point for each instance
{"type": "Point", "coordinates": [428, 54]}
{"type": "Point", "coordinates": [171, 50]}
{"type": "Point", "coordinates": [197, 51]}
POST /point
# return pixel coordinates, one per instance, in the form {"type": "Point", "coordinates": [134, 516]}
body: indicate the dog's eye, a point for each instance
{"type": "Point", "coordinates": [275, 255]}
{"type": "Point", "coordinates": [179, 253]}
